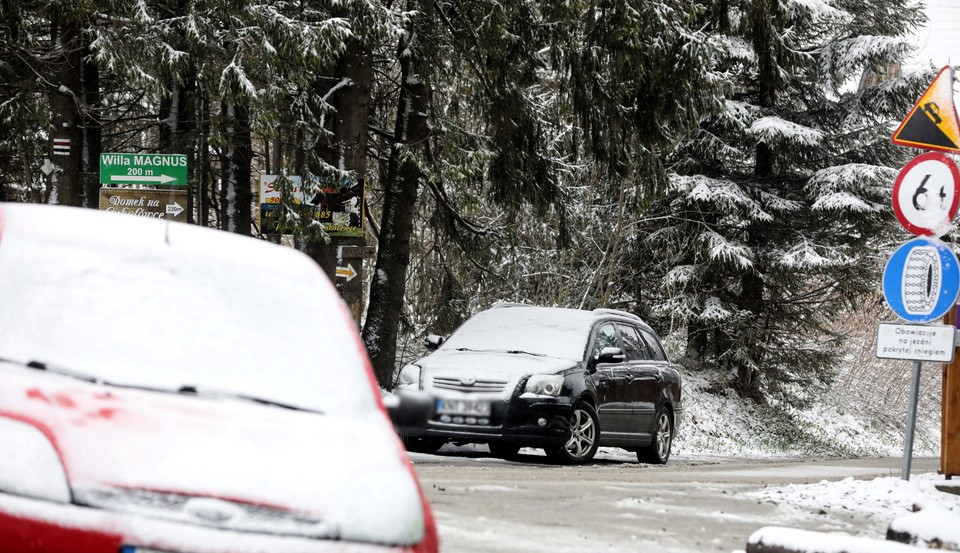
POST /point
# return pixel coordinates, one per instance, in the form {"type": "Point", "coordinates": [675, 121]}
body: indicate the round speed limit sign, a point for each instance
{"type": "Point", "coordinates": [925, 196]}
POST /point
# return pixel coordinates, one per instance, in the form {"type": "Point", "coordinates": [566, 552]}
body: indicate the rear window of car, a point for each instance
{"type": "Point", "coordinates": [633, 345]}
{"type": "Point", "coordinates": [656, 348]}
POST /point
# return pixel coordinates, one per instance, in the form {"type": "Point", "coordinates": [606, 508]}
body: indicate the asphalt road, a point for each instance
{"type": "Point", "coordinates": [486, 505]}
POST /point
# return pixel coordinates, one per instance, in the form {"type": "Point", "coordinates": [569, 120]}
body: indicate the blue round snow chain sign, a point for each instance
{"type": "Point", "coordinates": [921, 280]}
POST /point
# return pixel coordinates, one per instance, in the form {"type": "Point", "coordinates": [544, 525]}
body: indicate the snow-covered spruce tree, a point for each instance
{"type": "Point", "coordinates": [495, 158]}
{"type": "Point", "coordinates": [631, 78]}
{"type": "Point", "coordinates": [776, 205]}
{"type": "Point", "coordinates": [536, 161]}
{"type": "Point", "coordinates": [48, 94]}
{"type": "Point", "coordinates": [234, 64]}
{"type": "Point", "coordinates": [23, 109]}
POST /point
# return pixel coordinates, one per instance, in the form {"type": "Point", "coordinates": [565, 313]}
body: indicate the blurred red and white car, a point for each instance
{"type": "Point", "coordinates": [169, 388]}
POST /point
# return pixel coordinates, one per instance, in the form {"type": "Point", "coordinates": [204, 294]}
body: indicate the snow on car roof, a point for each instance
{"type": "Point", "coordinates": [551, 331]}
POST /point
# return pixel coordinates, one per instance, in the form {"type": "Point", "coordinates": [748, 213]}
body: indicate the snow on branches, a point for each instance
{"type": "Point", "coordinates": [778, 132]}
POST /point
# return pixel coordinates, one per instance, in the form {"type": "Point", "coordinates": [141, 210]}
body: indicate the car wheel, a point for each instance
{"type": "Point", "coordinates": [584, 437]}
{"type": "Point", "coordinates": [504, 450]}
{"type": "Point", "coordinates": [659, 450]}
{"type": "Point", "coordinates": [423, 445]}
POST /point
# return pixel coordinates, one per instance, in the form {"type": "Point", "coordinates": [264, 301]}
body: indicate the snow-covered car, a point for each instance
{"type": "Point", "coordinates": [170, 388]}
{"type": "Point", "coordinates": [565, 380]}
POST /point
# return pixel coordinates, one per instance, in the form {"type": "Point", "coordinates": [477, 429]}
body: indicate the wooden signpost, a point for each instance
{"type": "Point", "coordinates": [950, 417]}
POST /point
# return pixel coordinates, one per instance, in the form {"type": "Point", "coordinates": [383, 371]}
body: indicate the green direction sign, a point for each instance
{"type": "Point", "coordinates": [152, 169]}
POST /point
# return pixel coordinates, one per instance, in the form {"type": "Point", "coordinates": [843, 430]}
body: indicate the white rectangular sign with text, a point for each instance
{"type": "Point", "coordinates": [916, 342]}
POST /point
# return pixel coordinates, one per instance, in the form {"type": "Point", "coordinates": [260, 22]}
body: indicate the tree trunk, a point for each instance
{"type": "Point", "coordinates": [768, 78]}
{"type": "Point", "coordinates": [403, 177]}
{"type": "Point", "coordinates": [177, 118]}
{"type": "Point", "coordinates": [10, 20]}
{"type": "Point", "coordinates": [751, 282]}
{"type": "Point", "coordinates": [91, 131]}
{"type": "Point", "coordinates": [277, 155]}
{"type": "Point", "coordinates": [177, 126]}
{"type": "Point", "coordinates": [751, 299]}
{"type": "Point", "coordinates": [235, 193]}
{"type": "Point", "coordinates": [204, 187]}
{"type": "Point", "coordinates": [350, 97]}
{"type": "Point", "coordinates": [65, 97]}
{"type": "Point", "coordinates": [351, 100]}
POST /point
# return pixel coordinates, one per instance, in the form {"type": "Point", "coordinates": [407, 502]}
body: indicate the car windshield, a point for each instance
{"type": "Point", "coordinates": [553, 332]}
{"type": "Point", "coordinates": [223, 314]}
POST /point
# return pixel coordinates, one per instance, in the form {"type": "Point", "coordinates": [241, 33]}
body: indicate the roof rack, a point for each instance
{"type": "Point", "coordinates": [500, 304]}
{"type": "Point", "coordinates": [627, 314]}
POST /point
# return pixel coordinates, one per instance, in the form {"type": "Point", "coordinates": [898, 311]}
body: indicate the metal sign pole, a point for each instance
{"type": "Point", "coordinates": [911, 423]}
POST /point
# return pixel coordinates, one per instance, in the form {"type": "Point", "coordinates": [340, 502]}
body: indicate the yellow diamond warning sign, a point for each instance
{"type": "Point", "coordinates": [932, 123]}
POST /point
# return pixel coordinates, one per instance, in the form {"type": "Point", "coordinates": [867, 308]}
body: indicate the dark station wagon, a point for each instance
{"type": "Point", "coordinates": [565, 380]}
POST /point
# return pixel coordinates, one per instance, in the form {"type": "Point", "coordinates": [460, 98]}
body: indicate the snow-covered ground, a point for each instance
{"type": "Point", "coordinates": [841, 423]}
{"type": "Point", "coordinates": [927, 507]}
{"type": "Point", "coordinates": [720, 423]}
{"type": "Point", "coordinates": [885, 497]}
{"type": "Point", "coordinates": [722, 430]}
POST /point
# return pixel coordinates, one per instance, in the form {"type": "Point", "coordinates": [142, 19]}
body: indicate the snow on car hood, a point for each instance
{"type": "Point", "coordinates": [506, 367]}
{"type": "Point", "coordinates": [346, 474]}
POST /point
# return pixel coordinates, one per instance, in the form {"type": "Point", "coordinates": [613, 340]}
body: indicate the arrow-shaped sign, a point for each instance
{"type": "Point", "coordinates": [175, 209]}
{"type": "Point", "coordinates": [347, 272]}
{"type": "Point", "coordinates": [162, 179]}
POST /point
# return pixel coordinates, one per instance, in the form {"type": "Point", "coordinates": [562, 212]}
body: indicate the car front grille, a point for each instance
{"type": "Point", "coordinates": [469, 386]}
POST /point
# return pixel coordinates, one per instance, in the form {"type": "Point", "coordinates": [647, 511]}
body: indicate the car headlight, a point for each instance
{"type": "Point", "coordinates": [30, 466]}
{"type": "Point", "coordinates": [409, 377]}
{"type": "Point", "coordinates": [544, 385]}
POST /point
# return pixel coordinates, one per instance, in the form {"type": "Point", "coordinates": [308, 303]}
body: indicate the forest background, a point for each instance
{"type": "Point", "coordinates": [720, 167]}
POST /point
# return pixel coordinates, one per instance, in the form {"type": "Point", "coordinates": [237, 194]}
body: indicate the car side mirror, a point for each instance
{"type": "Point", "coordinates": [433, 341]}
{"type": "Point", "coordinates": [409, 408]}
{"type": "Point", "coordinates": [611, 355]}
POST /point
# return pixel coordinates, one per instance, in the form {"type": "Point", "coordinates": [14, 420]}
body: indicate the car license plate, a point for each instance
{"type": "Point", "coordinates": [463, 407]}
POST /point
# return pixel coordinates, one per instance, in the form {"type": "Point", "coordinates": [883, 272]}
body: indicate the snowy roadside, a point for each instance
{"type": "Point", "coordinates": [720, 423]}
{"type": "Point", "coordinates": [924, 511]}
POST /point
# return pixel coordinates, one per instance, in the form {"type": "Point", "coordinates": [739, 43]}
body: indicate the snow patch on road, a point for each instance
{"type": "Point", "coordinates": [886, 497]}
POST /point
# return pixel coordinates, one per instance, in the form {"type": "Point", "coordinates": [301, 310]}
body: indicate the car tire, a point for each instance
{"type": "Point", "coordinates": [423, 445]}
{"type": "Point", "coordinates": [584, 438]}
{"type": "Point", "coordinates": [658, 451]}
{"type": "Point", "coordinates": [504, 450]}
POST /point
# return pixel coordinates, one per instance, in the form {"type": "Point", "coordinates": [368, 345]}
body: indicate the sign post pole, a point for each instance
{"type": "Point", "coordinates": [911, 423]}
{"type": "Point", "coordinates": [918, 343]}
